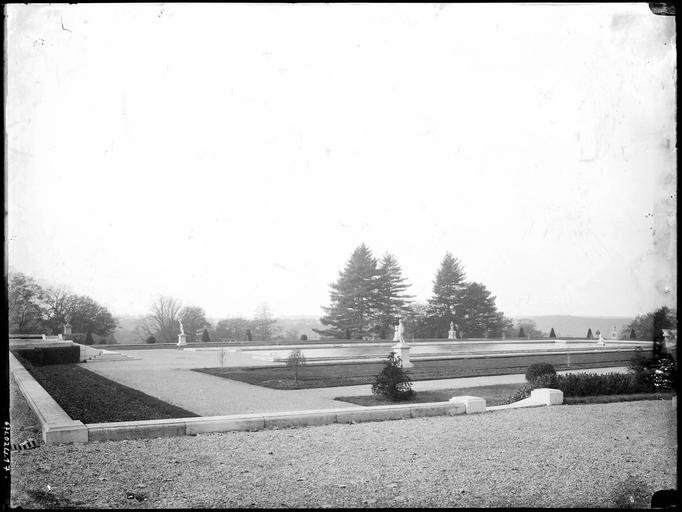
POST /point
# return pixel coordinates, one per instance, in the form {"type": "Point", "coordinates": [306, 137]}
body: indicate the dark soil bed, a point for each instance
{"type": "Point", "coordinates": [91, 398]}
{"type": "Point", "coordinates": [352, 374]}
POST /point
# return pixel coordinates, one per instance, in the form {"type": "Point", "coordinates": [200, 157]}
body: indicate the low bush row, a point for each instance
{"type": "Point", "coordinates": [40, 356]}
{"type": "Point", "coordinates": [644, 376]}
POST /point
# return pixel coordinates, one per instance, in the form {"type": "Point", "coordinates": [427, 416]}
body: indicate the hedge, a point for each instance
{"type": "Point", "coordinates": [40, 356]}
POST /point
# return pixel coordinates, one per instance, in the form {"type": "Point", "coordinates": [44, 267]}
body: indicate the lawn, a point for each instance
{"type": "Point", "coordinates": [497, 395]}
{"type": "Point", "coordinates": [352, 374]}
{"type": "Point", "coordinates": [493, 395]}
{"type": "Point", "coordinates": [91, 398]}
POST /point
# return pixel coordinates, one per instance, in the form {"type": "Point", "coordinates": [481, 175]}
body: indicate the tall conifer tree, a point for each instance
{"type": "Point", "coordinates": [477, 313]}
{"type": "Point", "coordinates": [447, 292]}
{"type": "Point", "coordinates": [353, 298]}
{"type": "Point", "coordinates": [391, 300]}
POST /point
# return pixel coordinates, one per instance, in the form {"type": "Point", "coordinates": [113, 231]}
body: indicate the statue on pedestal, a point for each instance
{"type": "Point", "coordinates": [182, 329]}
{"type": "Point", "coordinates": [400, 332]}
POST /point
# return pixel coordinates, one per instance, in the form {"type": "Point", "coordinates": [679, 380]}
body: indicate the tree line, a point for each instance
{"type": "Point", "coordinates": [370, 296]}
{"type": "Point", "coordinates": [37, 309]}
{"type": "Point", "coordinates": [162, 325]}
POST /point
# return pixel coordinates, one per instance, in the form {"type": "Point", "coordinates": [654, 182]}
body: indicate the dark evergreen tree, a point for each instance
{"type": "Point", "coordinates": [661, 320]}
{"type": "Point", "coordinates": [353, 298]}
{"type": "Point", "coordinates": [633, 334]}
{"type": "Point", "coordinates": [551, 333]}
{"type": "Point", "coordinates": [205, 336]}
{"type": "Point", "coordinates": [151, 339]}
{"type": "Point", "coordinates": [589, 334]}
{"type": "Point", "coordinates": [88, 339]}
{"type": "Point", "coordinates": [447, 291]}
{"type": "Point", "coordinates": [391, 302]}
{"type": "Point", "coordinates": [393, 383]}
{"type": "Point", "coordinates": [477, 313]}
{"type": "Point", "coordinates": [249, 337]}
{"type": "Point", "coordinates": [521, 333]}
{"type": "Point", "coordinates": [643, 325]}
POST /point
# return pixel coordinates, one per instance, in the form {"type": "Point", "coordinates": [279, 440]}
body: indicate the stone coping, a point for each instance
{"type": "Point", "coordinates": [116, 431]}
{"type": "Point", "coordinates": [56, 425]}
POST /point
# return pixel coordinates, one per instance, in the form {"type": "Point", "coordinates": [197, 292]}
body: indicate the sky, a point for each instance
{"type": "Point", "coordinates": [234, 155]}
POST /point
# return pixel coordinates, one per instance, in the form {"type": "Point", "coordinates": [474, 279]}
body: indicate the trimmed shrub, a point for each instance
{"type": "Point", "coordinates": [249, 336]}
{"type": "Point", "coordinates": [661, 378]}
{"type": "Point", "coordinates": [205, 338]}
{"type": "Point", "coordinates": [546, 380]}
{"type": "Point", "coordinates": [151, 339]}
{"type": "Point", "coordinates": [393, 383]}
{"type": "Point", "coordinates": [40, 356]}
{"type": "Point", "coordinates": [521, 333]}
{"type": "Point", "coordinates": [633, 334]}
{"type": "Point", "coordinates": [552, 334]}
{"type": "Point", "coordinates": [592, 384]}
{"type": "Point", "coordinates": [589, 334]}
{"type": "Point", "coordinates": [536, 369]}
{"type": "Point", "coordinates": [304, 337]}
{"type": "Point", "coordinates": [88, 339]}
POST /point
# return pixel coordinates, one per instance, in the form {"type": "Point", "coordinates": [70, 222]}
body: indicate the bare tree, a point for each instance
{"type": "Point", "coordinates": [295, 360]}
{"type": "Point", "coordinates": [264, 323]}
{"type": "Point", "coordinates": [162, 322]}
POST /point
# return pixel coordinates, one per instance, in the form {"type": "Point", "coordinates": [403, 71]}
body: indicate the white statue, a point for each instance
{"type": "Point", "coordinates": [182, 329]}
{"type": "Point", "coordinates": [600, 341]}
{"type": "Point", "coordinates": [452, 326]}
{"type": "Point", "coordinates": [400, 332]}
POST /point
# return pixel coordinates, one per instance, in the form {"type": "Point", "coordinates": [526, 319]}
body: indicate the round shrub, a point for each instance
{"type": "Point", "coordinates": [546, 380]}
{"type": "Point", "coordinates": [536, 369]}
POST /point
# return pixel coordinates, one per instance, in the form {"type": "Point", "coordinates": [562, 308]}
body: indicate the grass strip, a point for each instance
{"type": "Point", "coordinates": [497, 395]}
{"type": "Point", "coordinates": [91, 398]}
{"type": "Point", "coordinates": [353, 374]}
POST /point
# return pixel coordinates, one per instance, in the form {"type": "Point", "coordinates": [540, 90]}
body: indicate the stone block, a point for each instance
{"type": "Point", "coordinates": [299, 420]}
{"type": "Point", "coordinates": [136, 430]}
{"type": "Point", "coordinates": [72, 432]}
{"type": "Point", "coordinates": [437, 409]}
{"type": "Point", "coordinates": [224, 424]}
{"type": "Point", "coordinates": [379, 413]}
{"type": "Point", "coordinates": [547, 396]}
{"type": "Point", "coordinates": [472, 404]}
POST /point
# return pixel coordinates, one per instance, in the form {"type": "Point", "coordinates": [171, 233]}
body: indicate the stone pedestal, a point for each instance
{"type": "Point", "coordinates": [452, 335]}
{"type": "Point", "coordinates": [473, 404]}
{"type": "Point", "coordinates": [403, 352]}
{"type": "Point", "coordinates": [182, 340]}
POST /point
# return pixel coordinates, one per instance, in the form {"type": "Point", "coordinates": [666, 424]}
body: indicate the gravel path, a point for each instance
{"type": "Point", "coordinates": [604, 455]}
{"type": "Point", "coordinates": [166, 374]}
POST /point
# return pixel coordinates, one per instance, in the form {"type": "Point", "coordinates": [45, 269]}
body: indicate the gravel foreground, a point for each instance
{"type": "Point", "coordinates": [602, 455]}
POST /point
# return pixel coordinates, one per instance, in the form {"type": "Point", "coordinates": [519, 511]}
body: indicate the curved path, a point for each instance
{"type": "Point", "coordinates": [167, 374]}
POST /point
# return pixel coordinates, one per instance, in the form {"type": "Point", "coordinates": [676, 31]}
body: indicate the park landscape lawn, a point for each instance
{"type": "Point", "coordinates": [494, 395]}
{"type": "Point", "coordinates": [91, 398]}
{"type": "Point", "coordinates": [353, 374]}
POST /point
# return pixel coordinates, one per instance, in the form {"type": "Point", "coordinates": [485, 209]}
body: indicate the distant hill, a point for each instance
{"type": "Point", "coordinates": [577, 326]}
